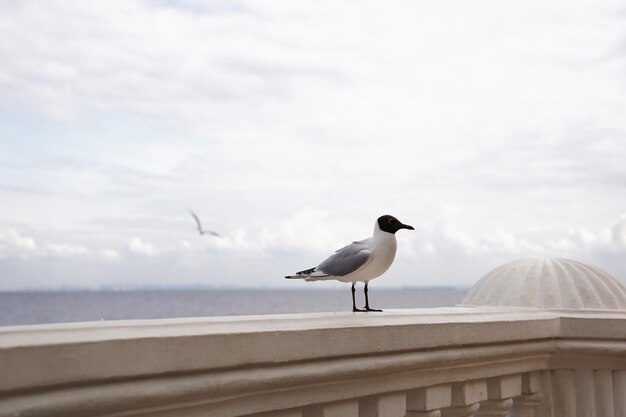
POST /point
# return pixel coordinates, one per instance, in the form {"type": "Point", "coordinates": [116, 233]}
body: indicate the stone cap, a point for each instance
{"type": "Point", "coordinates": [548, 283]}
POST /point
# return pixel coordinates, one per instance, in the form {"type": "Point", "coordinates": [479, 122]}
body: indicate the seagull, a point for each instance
{"type": "Point", "coordinates": [200, 229]}
{"type": "Point", "coordinates": [360, 261]}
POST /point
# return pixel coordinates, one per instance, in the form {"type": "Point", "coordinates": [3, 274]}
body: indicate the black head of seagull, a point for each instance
{"type": "Point", "coordinates": [391, 225]}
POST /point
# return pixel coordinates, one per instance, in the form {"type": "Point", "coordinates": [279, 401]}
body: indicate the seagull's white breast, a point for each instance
{"type": "Point", "coordinates": [383, 247]}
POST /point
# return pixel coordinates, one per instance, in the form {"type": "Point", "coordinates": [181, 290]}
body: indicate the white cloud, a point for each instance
{"type": "Point", "coordinates": [66, 250]}
{"type": "Point", "coordinates": [110, 255]}
{"type": "Point", "coordinates": [449, 253]}
{"type": "Point", "coordinates": [618, 232]}
{"type": "Point", "coordinates": [237, 240]}
{"type": "Point", "coordinates": [14, 244]}
{"type": "Point", "coordinates": [308, 229]}
{"type": "Point", "coordinates": [158, 160]}
{"type": "Point", "coordinates": [138, 246]}
{"type": "Point", "coordinates": [118, 55]}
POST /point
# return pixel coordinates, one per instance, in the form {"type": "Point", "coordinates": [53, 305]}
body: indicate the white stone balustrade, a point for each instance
{"type": "Point", "coordinates": [461, 361]}
{"type": "Point", "coordinates": [431, 362]}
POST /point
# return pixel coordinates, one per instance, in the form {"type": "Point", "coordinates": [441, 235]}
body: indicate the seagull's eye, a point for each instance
{"type": "Point", "coordinates": [390, 220]}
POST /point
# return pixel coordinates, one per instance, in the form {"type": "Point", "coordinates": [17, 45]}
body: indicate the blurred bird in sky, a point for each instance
{"type": "Point", "coordinates": [201, 231]}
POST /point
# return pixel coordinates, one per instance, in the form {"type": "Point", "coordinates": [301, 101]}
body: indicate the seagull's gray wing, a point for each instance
{"type": "Point", "coordinates": [346, 260]}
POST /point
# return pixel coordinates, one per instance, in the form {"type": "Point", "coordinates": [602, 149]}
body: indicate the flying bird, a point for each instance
{"type": "Point", "coordinates": [360, 261]}
{"type": "Point", "coordinates": [199, 225]}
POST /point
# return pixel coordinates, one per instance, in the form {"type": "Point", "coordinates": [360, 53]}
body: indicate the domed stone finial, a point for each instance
{"type": "Point", "coordinates": [548, 283]}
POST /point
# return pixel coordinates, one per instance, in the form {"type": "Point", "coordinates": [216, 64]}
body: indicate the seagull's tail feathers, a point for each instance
{"type": "Point", "coordinates": [309, 275]}
{"type": "Point", "coordinates": [295, 276]}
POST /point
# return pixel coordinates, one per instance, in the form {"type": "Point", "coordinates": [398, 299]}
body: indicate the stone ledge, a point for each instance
{"type": "Point", "coordinates": [235, 366]}
{"type": "Point", "coordinates": [144, 348]}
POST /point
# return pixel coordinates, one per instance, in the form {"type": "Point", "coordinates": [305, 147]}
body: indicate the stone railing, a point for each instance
{"type": "Point", "coordinates": [561, 355]}
{"type": "Point", "coordinates": [463, 361]}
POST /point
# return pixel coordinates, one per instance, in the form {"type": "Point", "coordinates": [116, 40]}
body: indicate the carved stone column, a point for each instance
{"type": "Point", "coordinates": [564, 392]}
{"type": "Point", "coordinates": [311, 411]}
{"type": "Point", "coordinates": [427, 402]}
{"type": "Point", "coordinates": [500, 393]}
{"type": "Point", "coordinates": [384, 405]}
{"type": "Point", "coordinates": [348, 408]}
{"type": "Point", "coordinates": [429, 413]}
{"type": "Point", "coordinates": [503, 387]}
{"type": "Point", "coordinates": [466, 397]}
{"type": "Point", "coordinates": [604, 393]}
{"type": "Point", "coordinates": [462, 411]}
{"type": "Point", "coordinates": [619, 393]}
{"type": "Point", "coordinates": [585, 393]}
{"type": "Point", "coordinates": [495, 408]}
{"type": "Point", "coordinates": [526, 404]}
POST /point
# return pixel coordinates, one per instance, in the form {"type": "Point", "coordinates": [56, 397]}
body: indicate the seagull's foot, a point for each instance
{"type": "Point", "coordinates": [356, 310]}
{"type": "Point", "coordinates": [372, 309]}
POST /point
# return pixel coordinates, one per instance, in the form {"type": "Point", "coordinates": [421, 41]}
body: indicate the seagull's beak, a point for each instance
{"type": "Point", "coordinates": [406, 226]}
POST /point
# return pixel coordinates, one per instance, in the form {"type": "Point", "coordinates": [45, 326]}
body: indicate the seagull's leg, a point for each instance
{"type": "Point", "coordinates": [367, 301]}
{"type": "Point", "coordinates": [354, 309]}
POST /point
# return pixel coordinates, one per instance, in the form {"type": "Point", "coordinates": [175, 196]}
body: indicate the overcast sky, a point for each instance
{"type": "Point", "coordinates": [496, 128]}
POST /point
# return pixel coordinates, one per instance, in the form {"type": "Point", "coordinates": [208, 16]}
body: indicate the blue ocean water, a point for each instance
{"type": "Point", "coordinates": [17, 308]}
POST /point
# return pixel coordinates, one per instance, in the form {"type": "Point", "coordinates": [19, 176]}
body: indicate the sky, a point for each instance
{"type": "Point", "coordinates": [496, 128]}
